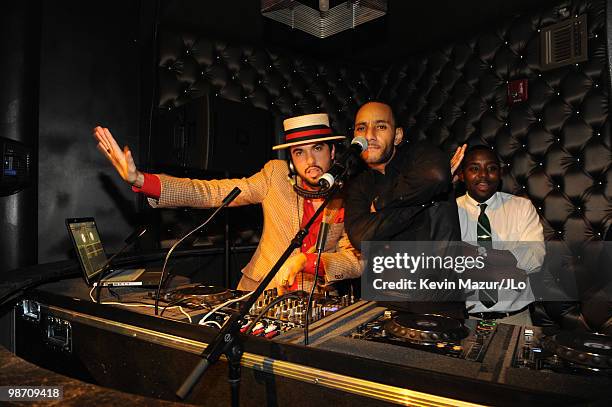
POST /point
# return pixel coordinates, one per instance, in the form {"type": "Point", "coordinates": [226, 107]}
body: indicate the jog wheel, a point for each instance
{"type": "Point", "coordinates": [586, 350]}
{"type": "Point", "coordinates": [426, 329]}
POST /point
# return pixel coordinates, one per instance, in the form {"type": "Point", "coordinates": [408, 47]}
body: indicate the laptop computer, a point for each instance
{"type": "Point", "coordinates": [92, 258]}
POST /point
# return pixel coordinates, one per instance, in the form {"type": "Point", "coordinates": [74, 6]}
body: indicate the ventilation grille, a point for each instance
{"type": "Point", "coordinates": [564, 43]}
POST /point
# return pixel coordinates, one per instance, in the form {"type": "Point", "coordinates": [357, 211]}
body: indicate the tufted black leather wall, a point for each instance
{"type": "Point", "coordinates": [556, 145]}
{"type": "Point", "coordinates": [283, 83]}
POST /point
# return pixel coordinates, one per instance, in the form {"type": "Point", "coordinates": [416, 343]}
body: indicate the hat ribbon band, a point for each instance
{"type": "Point", "coordinates": [301, 134]}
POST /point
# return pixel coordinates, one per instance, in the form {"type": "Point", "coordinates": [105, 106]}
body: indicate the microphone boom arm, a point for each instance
{"type": "Point", "coordinates": [226, 201]}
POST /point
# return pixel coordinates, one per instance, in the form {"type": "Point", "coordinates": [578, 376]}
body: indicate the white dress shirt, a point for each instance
{"type": "Point", "coordinates": [515, 226]}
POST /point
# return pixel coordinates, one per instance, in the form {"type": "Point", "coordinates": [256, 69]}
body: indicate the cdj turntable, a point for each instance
{"type": "Point", "coordinates": [429, 332]}
{"type": "Point", "coordinates": [578, 353]}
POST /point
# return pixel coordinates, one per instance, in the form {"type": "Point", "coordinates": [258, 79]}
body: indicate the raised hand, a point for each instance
{"type": "Point", "coordinates": [456, 160]}
{"type": "Point", "coordinates": [122, 160]}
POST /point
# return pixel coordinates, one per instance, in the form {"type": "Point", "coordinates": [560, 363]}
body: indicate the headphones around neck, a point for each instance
{"type": "Point", "coordinates": [304, 193]}
{"type": "Point", "coordinates": [292, 172]}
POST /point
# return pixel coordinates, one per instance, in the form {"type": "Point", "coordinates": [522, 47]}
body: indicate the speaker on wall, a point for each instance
{"type": "Point", "coordinates": [215, 135]}
{"type": "Point", "coordinates": [16, 171]}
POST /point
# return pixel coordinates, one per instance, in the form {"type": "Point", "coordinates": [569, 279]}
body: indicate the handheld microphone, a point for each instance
{"type": "Point", "coordinates": [358, 146]}
{"type": "Point", "coordinates": [135, 235]}
{"type": "Point", "coordinates": [328, 216]}
{"type": "Point", "coordinates": [226, 201]}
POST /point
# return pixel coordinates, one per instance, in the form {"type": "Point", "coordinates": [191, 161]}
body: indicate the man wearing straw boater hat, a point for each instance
{"type": "Point", "coordinates": [289, 195]}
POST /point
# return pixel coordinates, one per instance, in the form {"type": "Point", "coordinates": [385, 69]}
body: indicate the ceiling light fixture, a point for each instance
{"type": "Point", "coordinates": [329, 19]}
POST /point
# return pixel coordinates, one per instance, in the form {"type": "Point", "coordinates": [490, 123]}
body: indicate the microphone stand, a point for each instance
{"type": "Point", "coordinates": [321, 239]}
{"type": "Point", "coordinates": [128, 242]}
{"type": "Point", "coordinates": [227, 340]}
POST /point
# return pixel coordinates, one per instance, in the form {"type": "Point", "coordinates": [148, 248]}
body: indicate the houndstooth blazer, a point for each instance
{"type": "Point", "coordinates": [282, 210]}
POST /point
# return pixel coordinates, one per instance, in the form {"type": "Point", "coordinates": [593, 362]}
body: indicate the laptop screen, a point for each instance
{"type": "Point", "coordinates": [87, 244]}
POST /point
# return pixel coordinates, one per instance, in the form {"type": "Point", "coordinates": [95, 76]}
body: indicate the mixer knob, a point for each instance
{"type": "Point", "coordinates": [597, 360]}
{"type": "Point", "coordinates": [284, 312]}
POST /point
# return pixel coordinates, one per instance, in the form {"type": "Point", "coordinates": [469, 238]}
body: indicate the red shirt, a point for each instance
{"type": "Point", "coordinates": [151, 186]}
{"type": "Point", "coordinates": [310, 241]}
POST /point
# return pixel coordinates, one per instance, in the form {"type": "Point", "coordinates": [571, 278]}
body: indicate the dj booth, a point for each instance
{"type": "Point", "coordinates": [359, 353]}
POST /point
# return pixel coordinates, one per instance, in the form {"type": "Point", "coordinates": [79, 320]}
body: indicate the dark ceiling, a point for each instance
{"type": "Point", "coordinates": [408, 28]}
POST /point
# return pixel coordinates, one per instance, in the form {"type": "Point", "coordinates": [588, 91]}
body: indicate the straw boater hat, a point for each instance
{"type": "Point", "coordinates": [307, 129]}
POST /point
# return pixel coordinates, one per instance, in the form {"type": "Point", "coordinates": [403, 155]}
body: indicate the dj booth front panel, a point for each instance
{"type": "Point", "coordinates": [154, 363]}
{"type": "Point", "coordinates": [130, 350]}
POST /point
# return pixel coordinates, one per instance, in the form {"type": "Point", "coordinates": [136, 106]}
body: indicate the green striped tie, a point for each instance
{"type": "Point", "coordinates": [488, 298]}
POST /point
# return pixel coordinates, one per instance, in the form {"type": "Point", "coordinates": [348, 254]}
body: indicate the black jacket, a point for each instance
{"type": "Point", "coordinates": [414, 201]}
